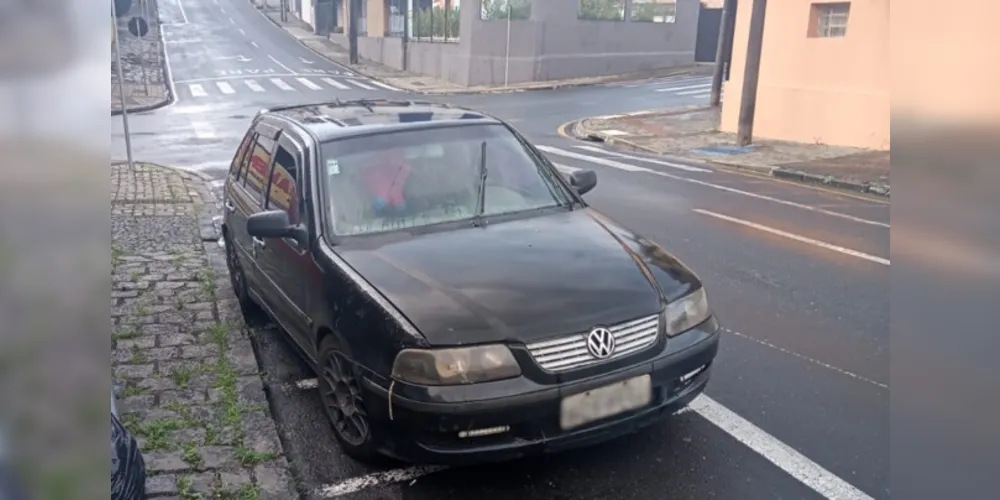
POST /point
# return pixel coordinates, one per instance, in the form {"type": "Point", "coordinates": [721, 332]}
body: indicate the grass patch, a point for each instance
{"type": "Point", "coordinates": [138, 356]}
{"type": "Point", "coordinates": [191, 456]}
{"type": "Point", "coordinates": [250, 458]}
{"type": "Point", "coordinates": [182, 376]}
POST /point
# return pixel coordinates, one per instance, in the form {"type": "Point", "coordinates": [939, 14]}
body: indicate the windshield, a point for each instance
{"type": "Point", "coordinates": [402, 180]}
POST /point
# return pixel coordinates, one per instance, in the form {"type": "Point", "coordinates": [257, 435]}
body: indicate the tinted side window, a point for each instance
{"type": "Point", "coordinates": [283, 194]}
{"type": "Point", "coordinates": [236, 168]}
{"type": "Point", "coordinates": [260, 166]}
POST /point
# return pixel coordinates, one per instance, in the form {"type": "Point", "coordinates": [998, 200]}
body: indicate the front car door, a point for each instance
{"type": "Point", "coordinates": [238, 204]}
{"type": "Point", "coordinates": [248, 198]}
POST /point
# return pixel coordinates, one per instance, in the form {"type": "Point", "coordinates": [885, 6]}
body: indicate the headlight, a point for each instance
{"type": "Point", "coordinates": [687, 312]}
{"type": "Point", "coordinates": [467, 365]}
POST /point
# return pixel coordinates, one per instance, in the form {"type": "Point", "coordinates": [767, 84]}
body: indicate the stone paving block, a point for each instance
{"type": "Point", "coordinates": [189, 384]}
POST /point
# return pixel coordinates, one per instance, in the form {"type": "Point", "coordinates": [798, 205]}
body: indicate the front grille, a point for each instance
{"type": "Point", "coordinates": [570, 352]}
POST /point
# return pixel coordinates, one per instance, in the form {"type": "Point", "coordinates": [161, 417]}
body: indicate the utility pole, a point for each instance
{"type": "Point", "coordinates": [121, 88]}
{"type": "Point", "coordinates": [722, 51]}
{"type": "Point", "coordinates": [506, 56]}
{"type": "Point", "coordinates": [352, 29]}
{"type": "Point", "coordinates": [748, 104]}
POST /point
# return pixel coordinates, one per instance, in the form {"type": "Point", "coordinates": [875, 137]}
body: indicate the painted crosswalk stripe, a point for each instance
{"type": "Point", "coordinates": [225, 87]}
{"type": "Point", "coordinates": [600, 161]}
{"type": "Point", "coordinates": [197, 90]}
{"type": "Point", "coordinates": [308, 84]}
{"type": "Point", "coordinates": [694, 92]}
{"type": "Point", "coordinates": [359, 84]}
{"type": "Point", "coordinates": [385, 86]}
{"type": "Point", "coordinates": [566, 169]}
{"type": "Point", "coordinates": [670, 164]}
{"type": "Point", "coordinates": [334, 83]}
{"type": "Point", "coordinates": [278, 82]}
{"type": "Point", "coordinates": [688, 87]}
{"type": "Point", "coordinates": [253, 85]}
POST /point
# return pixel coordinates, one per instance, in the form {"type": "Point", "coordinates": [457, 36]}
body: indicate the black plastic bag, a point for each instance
{"type": "Point", "coordinates": [128, 469]}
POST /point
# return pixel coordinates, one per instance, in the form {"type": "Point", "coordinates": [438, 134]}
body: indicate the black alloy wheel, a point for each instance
{"type": "Point", "coordinates": [342, 400]}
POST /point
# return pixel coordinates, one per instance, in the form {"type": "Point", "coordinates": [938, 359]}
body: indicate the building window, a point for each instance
{"type": "Point", "coordinates": [602, 10]}
{"type": "Point", "coordinates": [829, 20]}
{"type": "Point", "coordinates": [435, 20]}
{"type": "Point", "coordinates": [654, 11]}
{"type": "Point", "coordinates": [501, 10]}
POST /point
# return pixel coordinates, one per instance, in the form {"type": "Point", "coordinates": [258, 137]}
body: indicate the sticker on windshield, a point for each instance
{"type": "Point", "coordinates": [333, 167]}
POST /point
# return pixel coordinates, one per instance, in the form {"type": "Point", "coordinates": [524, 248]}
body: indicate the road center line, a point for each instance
{"type": "Point", "coordinates": [807, 358]}
{"type": "Point", "coordinates": [787, 459]}
{"type": "Point", "coordinates": [801, 239]}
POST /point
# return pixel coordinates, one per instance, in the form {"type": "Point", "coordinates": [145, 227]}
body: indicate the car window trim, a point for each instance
{"type": "Point", "coordinates": [297, 150]}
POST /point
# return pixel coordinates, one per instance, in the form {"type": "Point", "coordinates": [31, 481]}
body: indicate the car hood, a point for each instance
{"type": "Point", "coordinates": [521, 280]}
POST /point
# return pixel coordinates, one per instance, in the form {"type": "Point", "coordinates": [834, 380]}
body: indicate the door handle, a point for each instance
{"type": "Point", "coordinates": [259, 242]}
{"type": "Point", "coordinates": [230, 207]}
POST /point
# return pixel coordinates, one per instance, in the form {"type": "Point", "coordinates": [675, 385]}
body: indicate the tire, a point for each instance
{"type": "Point", "coordinates": [340, 393]}
{"type": "Point", "coordinates": [238, 280]}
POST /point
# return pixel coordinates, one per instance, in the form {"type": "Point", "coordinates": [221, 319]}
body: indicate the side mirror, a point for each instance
{"type": "Point", "coordinates": [274, 224]}
{"type": "Point", "coordinates": [583, 181]}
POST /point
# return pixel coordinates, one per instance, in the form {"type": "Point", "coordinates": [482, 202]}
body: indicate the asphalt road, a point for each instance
{"type": "Point", "coordinates": [798, 404]}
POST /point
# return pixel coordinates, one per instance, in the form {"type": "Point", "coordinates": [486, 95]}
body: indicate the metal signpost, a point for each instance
{"type": "Point", "coordinates": [506, 62]}
{"type": "Point", "coordinates": [121, 87]}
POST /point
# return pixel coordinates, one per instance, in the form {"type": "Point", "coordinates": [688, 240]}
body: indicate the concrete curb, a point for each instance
{"type": "Point", "coordinates": [578, 131]}
{"type": "Point", "coordinates": [145, 107]}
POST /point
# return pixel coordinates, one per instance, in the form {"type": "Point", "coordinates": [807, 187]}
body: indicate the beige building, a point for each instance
{"type": "Point", "coordinates": [824, 73]}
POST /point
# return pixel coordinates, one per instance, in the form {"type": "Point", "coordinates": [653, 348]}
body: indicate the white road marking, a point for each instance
{"type": "Point", "coordinates": [309, 383]}
{"type": "Point", "coordinates": [231, 21]}
{"type": "Point", "coordinates": [648, 160]}
{"type": "Point", "coordinates": [600, 161]}
{"type": "Point", "coordinates": [738, 191]}
{"type": "Point", "coordinates": [689, 87]}
{"type": "Point", "coordinates": [795, 237]}
{"type": "Point", "coordinates": [225, 87]}
{"type": "Point", "coordinates": [254, 44]}
{"type": "Point", "coordinates": [180, 5]}
{"type": "Point", "coordinates": [807, 358]}
{"type": "Point", "coordinates": [614, 133]}
{"type": "Point", "coordinates": [778, 453]}
{"type": "Point", "coordinates": [693, 92]}
{"type": "Point", "coordinates": [197, 90]}
{"type": "Point", "coordinates": [308, 84]}
{"type": "Point", "coordinates": [236, 77]}
{"type": "Point", "coordinates": [244, 33]}
{"type": "Point", "coordinates": [566, 169]}
{"type": "Point", "coordinates": [286, 68]}
{"type": "Point", "coordinates": [278, 82]}
{"type": "Point", "coordinates": [189, 40]}
{"type": "Point", "coordinates": [359, 84]}
{"type": "Point", "coordinates": [335, 84]}
{"type": "Point", "coordinates": [253, 85]}
{"type": "Point", "coordinates": [360, 483]}
{"type": "Point", "coordinates": [203, 130]}
{"type": "Point", "coordinates": [385, 86]}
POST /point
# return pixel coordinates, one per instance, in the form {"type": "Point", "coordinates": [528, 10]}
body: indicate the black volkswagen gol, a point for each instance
{"type": "Point", "coordinates": [457, 298]}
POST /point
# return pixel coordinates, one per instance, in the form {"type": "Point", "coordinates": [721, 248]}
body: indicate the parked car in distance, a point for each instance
{"type": "Point", "coordinates": [457, 298]}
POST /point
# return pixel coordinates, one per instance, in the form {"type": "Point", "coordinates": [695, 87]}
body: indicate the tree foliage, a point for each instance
{"type": "Point", "coordinates": [497, 9]}
{"type": "Point", "coordinates": [602, 10]}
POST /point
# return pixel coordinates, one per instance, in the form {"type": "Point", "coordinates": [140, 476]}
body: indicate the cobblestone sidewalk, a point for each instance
{"type": "Point", "coordinates": [692, 133]}
{"type": "Point", "coordinates": [144, 68]}
{"type": "Point", "coordinates": [187, 378]}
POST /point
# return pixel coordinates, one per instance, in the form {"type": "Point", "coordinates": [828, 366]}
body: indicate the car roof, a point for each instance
{"type": "Point", "coordinates": [336, 119]}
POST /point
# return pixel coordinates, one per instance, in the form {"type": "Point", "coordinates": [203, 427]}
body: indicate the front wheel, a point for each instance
{"type": "Point", "coordinates": [340, 392]}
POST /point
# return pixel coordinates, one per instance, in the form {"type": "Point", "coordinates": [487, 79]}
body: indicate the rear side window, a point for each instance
{"type": "Point", "coordinates": [237, 170]}
{"type": "Point", "coordinates": [283, 194]}
{"type": "Point", "coordinates": [259, 169]}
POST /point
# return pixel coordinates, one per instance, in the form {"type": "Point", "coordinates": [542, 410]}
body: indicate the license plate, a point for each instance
{"type": "Point", "coordinates": [606, 401]}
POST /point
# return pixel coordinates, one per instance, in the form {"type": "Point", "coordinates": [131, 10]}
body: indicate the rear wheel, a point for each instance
{"type": "Point", "coordinates": [238, 279]}
{"type": "Point", "coordinates": [340, 391]}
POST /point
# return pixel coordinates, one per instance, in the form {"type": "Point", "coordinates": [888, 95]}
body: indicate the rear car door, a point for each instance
{"type": "Point", "coordinates": [250, 200]}
{"type": "Point", "coordinates": [284, 262]}
{"type": "Point", "coordinates": [237, 205]}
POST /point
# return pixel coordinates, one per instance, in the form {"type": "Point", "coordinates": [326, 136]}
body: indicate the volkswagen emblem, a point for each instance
{"type": "Point", "coordinates": [601, 343]}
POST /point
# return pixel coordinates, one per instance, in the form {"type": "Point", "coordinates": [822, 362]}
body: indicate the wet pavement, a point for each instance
{"type": "Point", "coordinates": [798, 403]}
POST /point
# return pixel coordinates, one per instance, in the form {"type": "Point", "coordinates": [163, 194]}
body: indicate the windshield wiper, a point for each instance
{"type": "Point", "coordinates": [481, 195]}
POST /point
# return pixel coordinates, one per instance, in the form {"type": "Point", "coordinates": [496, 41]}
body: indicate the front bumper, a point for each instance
{"type": "Point", "coordinates": [426, 431]}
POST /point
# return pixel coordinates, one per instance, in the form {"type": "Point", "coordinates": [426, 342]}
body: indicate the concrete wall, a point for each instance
{"type": "Point", "coordinates": [552, 45]}
{"type": "Point", "coordinates": [828, 90]}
